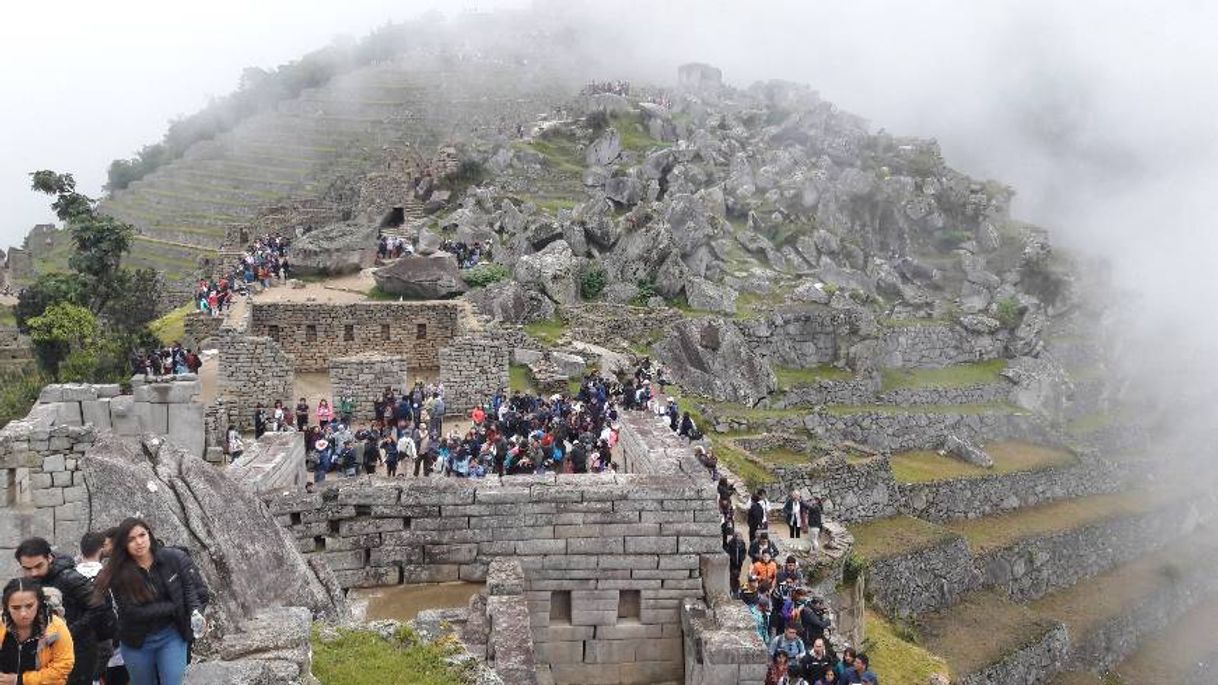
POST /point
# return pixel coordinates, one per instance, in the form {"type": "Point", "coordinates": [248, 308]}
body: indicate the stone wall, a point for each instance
{"type": "Point", "coordinates": [607, 558]}
{"type": "Point", "coordinates": [166, 405]}
{"type": "Point", "coordinates": [509, 642]}
{"type": "Point", "coordinates": [721, 644]}
{"type": "Point", "coordinates": [253, 370]}
{"type": "Point", "coordinates": [364, 377]}
{"type": "Point", "coordinates": [973, 497]}
{"type": "Point", "coordinates": [803, 336]}
{"type": "Point", "coordinates": [200, 327]}
{"type": "Point", "coordinates": [603, 322]}
{"type": "Point", "coordinates": [1037, 662]}
{"type": "Point", "coordinates": [854, 490]}
{"type": "Point", "coordinates": [472, 369]}
{"type": "Point", "coordinates": [909, 429]}
{"type": "Point", "coordinates": [987, 393]}
{"type": "Point", "coordinates": [311, 333]}
{"type": "Point", "coordinates": [935, 346]}
{"type": "Point", "coordinates": [924, 580]}
{"type": "Point", "coordinates": [276, 461]}
{"type": "Point", "coordinates": [852, 392]}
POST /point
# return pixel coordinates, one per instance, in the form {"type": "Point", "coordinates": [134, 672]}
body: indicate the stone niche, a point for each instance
{"type": "Point", "coordinates": [311, 332]}
{"type": "Point", "coordinates": [365, 376]}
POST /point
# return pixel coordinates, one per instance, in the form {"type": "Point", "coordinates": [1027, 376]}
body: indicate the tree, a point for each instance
{"type": "Point", "coordinates": [100, 240]}
{"type": "Point", "coordinates": [63, 329]}
{"type": "Point", "coordinates": [47, 290]}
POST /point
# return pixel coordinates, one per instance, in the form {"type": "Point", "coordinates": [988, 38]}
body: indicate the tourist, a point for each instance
{"type": "Point", "coordinates": [94, 547]}
{"type": "Point", "coordinates": [390, 448]}
{"type": "Point", "coordinates": [725, 488]}
{"type": "Point", "coordinates": [302, 414]}
{"type": "Point", "coordinates": [815, 521]}
{"type": "Point", "coordinates": [846, 663]}
{"type": "Point", "coordinates": [727, 522]}
{"type": "Point", "coordinates": [813, 616]}
{"type": "Point", "coordinates": [372, 450]}
{"type": "Point", "coordinates": [325, 462]}
{"type": "Point", "coordinates": [158, 595]}
{"type": "Point", "coordinates": [762, 544]}
{"type": "Point", "coordinates": [758, 517]}
{"type": "Point", "coordinates": [765, 569]}
{"type": "Point", "coordinates": [232, 441]}
{"type": "Point", "coordinates": [36, 647]}
{"type": "Point", "coordinates": [790, 575]}
{"type": "Point", "coordinates": [795, 514]}
{"type": "Point", "coordinates": [859, 672]}
{"type": "Point", "coordinates": [751, 594]}
{"type": "Point", "coordinates": [777, 673]}
{"type": "Point", "coordinates": [829, 677]}
{"type": "Point", "coordinates": [259, 421]}
{"type": "Point", "coordinates": [707, 459]}
{"type": "Point", "coordinates": [279, 416]}
{"type": "Point", "coordinates": [84, 615]}
{"type": "Point", "coordinates": [788, 643]}
{"type": "Point", "coordinates": [817, 663]}
{"type": "Point", "coordinates": [348, 458]}
{"type": "Point", "coordinates": [346, 407]}
{"type": "Point", "coordinates": [324, 413]}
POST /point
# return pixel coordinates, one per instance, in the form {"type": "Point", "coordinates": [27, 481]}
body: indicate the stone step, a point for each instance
{"type": "Point", "coordinates": [1184, 652]}
{"type": "Point", "coordinates": [1110, 615]}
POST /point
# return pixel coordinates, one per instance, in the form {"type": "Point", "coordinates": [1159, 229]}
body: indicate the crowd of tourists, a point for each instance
{"type": "Point", "coordinates": [173, 360]}
{"type": "Point", "coordinates": [264, 260]}
{"type": "Point", "coordinates": [393, 246]}
{"type": "Point", "coordinates": [613, 87]}
{"type": "Point", "coordinates": [125, 611]}
{"type": "Point", "coordinates": [468, 256]}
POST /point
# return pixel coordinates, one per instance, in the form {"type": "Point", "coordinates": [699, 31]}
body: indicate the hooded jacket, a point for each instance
{"type": "Point", "coordinates": [56, 656]}
{"type": "Point", "coordinates": [83, 614]}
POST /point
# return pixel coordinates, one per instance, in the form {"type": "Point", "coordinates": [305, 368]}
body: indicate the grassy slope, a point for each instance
{"type": "Point", "coordinates": [956, 376]}
{"type": "Point", "coordinates": [793, 378]}
{"type": "Point", "coordinates": [994, 532]}
{"type": "Point", "coordinates": [172, 326]}
{"type": "Point", "coordinates": [981, 630]}
{"type": "Point", "coordinates": [361, 657]}
{"type": "Point", "coordinates": [896, 661]}
{"type": "Point", "coordinates": [890, 537]}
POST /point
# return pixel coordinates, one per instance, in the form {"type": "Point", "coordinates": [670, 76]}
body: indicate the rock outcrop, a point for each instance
{"type": "Point", "coordinates": [967, 452]}
{"type": "Point", "coordinates": [552, 271]}
{"type": "Point", "coordinates": [419, 277]}
{"type": "Point", "coordinates": [712, 358]}
{"type": "Point", "coordinates": [335, 249]}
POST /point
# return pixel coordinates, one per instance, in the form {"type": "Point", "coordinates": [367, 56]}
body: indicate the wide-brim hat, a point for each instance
{"type": "Point", "coordinates": [320, 445]}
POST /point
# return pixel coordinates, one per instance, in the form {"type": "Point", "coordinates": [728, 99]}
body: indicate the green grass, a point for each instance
{"type": "Point", "coordinates": [634, 137]}
{"type": "Point", "coordinates": [789, 377]}
{"type": "Point", "coordinates": [753, 474]}
{"type": "Point", "coordinates": [7, 316]}
{"type": "Point", "coordinates": [550, 205]}
{"type": "Point", "coordinates": [896, 661]}
{"type": "Point", "coordinates": [548, 331]}
{"type": "Point", "coordinates": [361, 657]}
{"type": "Point", "coordinates": [18, 392]}
{"type": "Point", "coordinates": [965, 409]}
{"type": "Point", "coordinates": [981, 630]}
{"type": "Point", "coordinates": [520, 379]}
{"type": "Point", "coordinates": [784, 457]}
{"type": "Point", "coordinates": [1090, 423]}
{"type": "Point", "coordinates": [897, 535]}
{"type": "Point", "coordinates": [995, 532]}
{"type": "Point", "coordinates": [956, 376]}
{"type": "Point", "coordinates": [172, 326]}
{"type": "Point", "coordinates": [926, 466]}
{"type": "Point", "coordinates": [561, 152]}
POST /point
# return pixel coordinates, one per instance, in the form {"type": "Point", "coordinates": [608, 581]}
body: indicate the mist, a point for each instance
{"type": "Point", "coordinates": [1101, 115]}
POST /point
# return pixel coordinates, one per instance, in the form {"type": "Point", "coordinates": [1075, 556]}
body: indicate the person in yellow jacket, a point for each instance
{"type": "Point", "coordinates": [35, 644]}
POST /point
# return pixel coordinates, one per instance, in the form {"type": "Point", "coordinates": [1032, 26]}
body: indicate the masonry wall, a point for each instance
{"type": "Point", "coordinates": [911, 429]}
{"type": "Point", "coordinates": [935, 346]}
{"type": "Point", "coordinates": [472, 369]}
{"type": "Point", "coordinates": [364, 377]}
{"type": "Point", "coordinates": [855, 490]}
{"type": "Point", "coordinates": [312, 333]}
{"type": "Point", "coordinates": [252, 370]}
{"type": "Point", "coordinates": [607, 558]}
{"type": "Point", "coordinates": [199, 327]}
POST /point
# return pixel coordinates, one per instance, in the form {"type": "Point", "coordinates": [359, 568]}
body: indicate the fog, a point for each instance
{"type": "Point", "coordinates": [1101, 115]}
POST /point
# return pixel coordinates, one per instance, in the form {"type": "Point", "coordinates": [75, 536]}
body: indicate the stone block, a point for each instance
{"type": "Point", "coordinates": [451, 554]}
{"type": "Point", "coordinates": [699, 545]}
{"type": "Point", "coordinates": [50, 497]}
{"type": "Point", "coordinates": [651, 545]}
{"type": "Point", "coordinates": [19, 524]}
{"type": "Point", "coordinates": [378, 576]}
{"type": "Point", "coordinates": [561, 652]}
{"type": "Point", "coordinates": [96, 412]}
{"type": "Point", "coordinates": [176, 392]}
{"type": "Point", "coordinates": [50, 393]}
{"type": "Point", "coordinates": [123, 416]}
{"type": "Point", "coordinates": [40, 481]}
{"type": "Point", "coordinates": [345, 561]}
{"type": "Point", "coordinates": [153, 418]}
{"type": "Point", "coordinates": [53, 463]}
{"type": "Point", "coordinates": [186, 427]}
{"type": "Point", "coordinates": [76, 493]}
{"type": "Point", "coordinates": [541, 547]}
{"type": "Point", "coordinates": [67, 413]}
{"type": "Point", "coordinates": [431, 573]}
{"type": "Point", "coordinates": [595, 545]}
{"type": "Point", "coordinates": [403, 555]}
{"type": "Point", "coordinates": [629, 561]}
{"type": "Point", "coordinates": [603, 617]}
{"type": "Point", "coordinates": [107, 390]}
{"type": "Point", "coordinates": [629, 631]}
{"type": "Point", "coordinates": [72, 511]}
{"type": "Point", "coordinates": [78, 392]}
{"type": "Point", "coordinates": [61, 479]}
{"type": "Point", "coordinates": [364, 526]}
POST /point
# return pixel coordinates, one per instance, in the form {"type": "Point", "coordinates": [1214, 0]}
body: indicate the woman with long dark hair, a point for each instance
{"type": "Point", "coordinates": [35, 645]}
{"type": "Point", "coordinates": [159, 596]}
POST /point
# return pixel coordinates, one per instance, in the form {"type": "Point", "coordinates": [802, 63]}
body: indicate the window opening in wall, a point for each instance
{"type": "Point", "coordinates": [272, 332]}
{"type": "Point", "coordinates": [310, 333]}
{"type": "Point", "coordinates": [384, 331]}
{"type": "Point", "coordinates": [348, 333]}
{"type": "Point", "coordinates": [420, 331]}
{"type": "Point", "coordinates": [629, 605]}
{"type": "Point", "coordinates": [394, 218]}
{"type": "Point", "coordinates": [560, 606]}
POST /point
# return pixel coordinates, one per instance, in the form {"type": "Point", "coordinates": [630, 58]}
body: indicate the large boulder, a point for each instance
{"type": "Point", "coordinates": [604, 150]}
{"type": "Point", "coordinates": [967, 452]}
{"type": "Point", "coordinates": [336, 249]}
{"type": "Point", "coordinates": [553, 271]}
{"type": "Point", "coordinates": [428, 243]}
{"type": "Point", "coordinates": [710, 357]}
{"type": "Point", "coordinates": [248, 560]}
{"type": "Point", "coordinates": [705, 295]}
{"type": "Point", "coordinates": [509, 302]}
{"type": "Point", "coordinates": [418, 277]}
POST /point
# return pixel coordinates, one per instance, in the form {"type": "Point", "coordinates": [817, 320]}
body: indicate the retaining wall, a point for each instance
{"type": "Point", "coordinates": [253, 370]}
{"type": "Point", "coordinates": [911, 430]}
{"type": "Point", "coordinates": [935, 346]}
{"type": "Point", "coordinates": [928, 579]}
{"type": "Point", "coordinates": [472, 370]}
{"type": "Point", "coordinates": [854, 490]}
{"type": "Point", "coordinates": [1036, 663]}
{"type": "Point", "coordinates": [364, 377]}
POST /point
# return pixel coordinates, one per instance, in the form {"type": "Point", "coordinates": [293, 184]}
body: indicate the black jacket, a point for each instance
{"type": "Point", "coordinates": [756, 514]}
{"type": "Point", "coordinates": [84, 614]}
{"type": "Point", "coordinates": [181, 590]}
{"type": "Point", "coordinates": [736, 553]}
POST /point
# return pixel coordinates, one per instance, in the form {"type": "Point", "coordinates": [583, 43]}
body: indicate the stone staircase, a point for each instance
{"type": "Point", "coordinates": [413, 217]}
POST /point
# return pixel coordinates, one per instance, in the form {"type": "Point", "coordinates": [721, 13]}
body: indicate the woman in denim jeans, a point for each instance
{"type": "Point", "coordinates": [158, 596]}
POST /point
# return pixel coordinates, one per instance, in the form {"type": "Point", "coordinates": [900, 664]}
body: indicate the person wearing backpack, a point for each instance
{"type": "Point", "coordinates": [83, 613]}
{"type": "Point", "coordinates": [158, 597]}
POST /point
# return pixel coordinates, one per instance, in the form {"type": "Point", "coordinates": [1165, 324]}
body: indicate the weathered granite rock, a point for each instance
{"type": "Point", "coordinates": [419, 277]}
{"type": "Point", "coordinates": [509, 302]}
{"type": "Point", "coordinates": [248, 560]}
{"type": "Point", "coordinates": [340, 248]}
{"type": "Point", "coordinates": [553, 271]}
{"type": "Point", "coordinates": [712, 358]}
{"type": "Point", "coordinates": [967, 452]}
{"type": "Point", "coordinates": [711, 297]}
{"type": "Point", "coordinates": [428, 243]}
{"type": "Point", "coordinates": [604, 150]}
{"type": "Point", "coordinates": [624, 190]}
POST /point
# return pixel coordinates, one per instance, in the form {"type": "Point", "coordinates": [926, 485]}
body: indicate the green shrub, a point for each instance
{"type": "Point", "coordinates": [853, 568]}
{"type": "Point", "coordinates": [18, 392]}
{"type": "Point", "coordinates": [361, 657]}
{"type": "Point", "coordinates": [591, 283]}
{"type": "Point", "coordinates": [647, 290]}
{"type": "Point", "coordinates": [484, 275]}
{"type": "Point", "coordinates": [1008, 312]}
